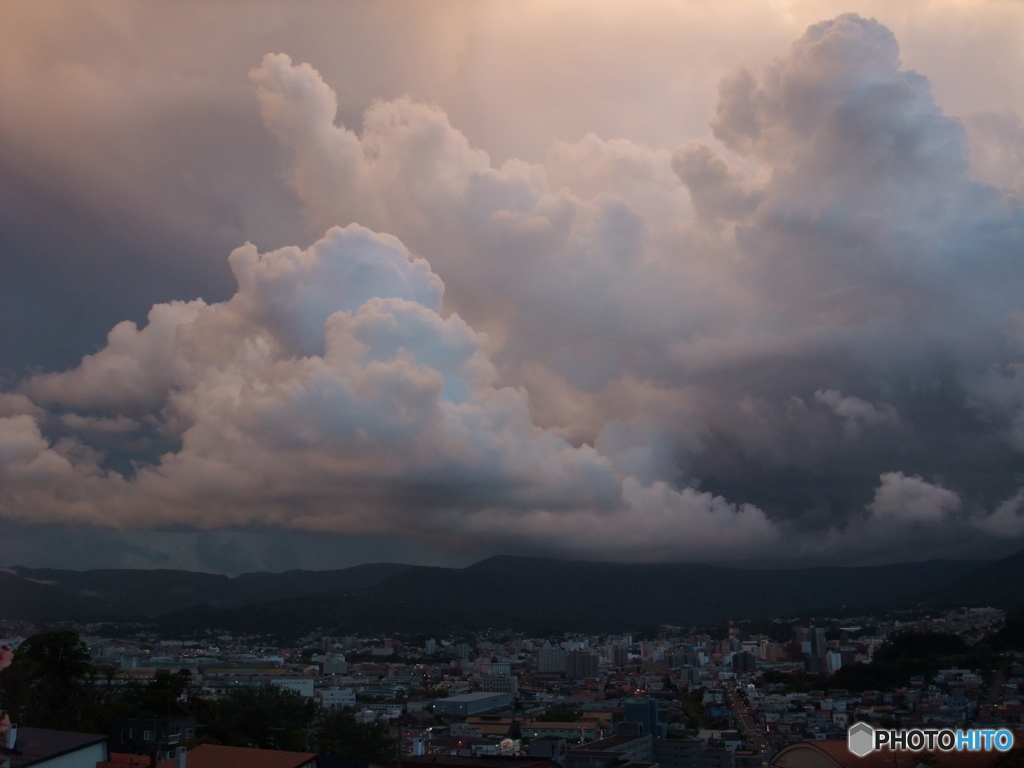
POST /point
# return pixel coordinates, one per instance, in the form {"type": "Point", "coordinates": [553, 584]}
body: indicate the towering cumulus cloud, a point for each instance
{"type": "Point", "coordinates": [330, 394]}
{"type": "Point", "coordinates": [804, 341]}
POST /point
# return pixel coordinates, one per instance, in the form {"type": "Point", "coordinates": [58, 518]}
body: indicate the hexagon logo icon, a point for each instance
{"type": "Point", "coordinates": [860, 739]}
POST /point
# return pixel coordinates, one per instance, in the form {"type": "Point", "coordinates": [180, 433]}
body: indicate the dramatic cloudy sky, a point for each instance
{"type": "Point", "coordinates": [308, 285]}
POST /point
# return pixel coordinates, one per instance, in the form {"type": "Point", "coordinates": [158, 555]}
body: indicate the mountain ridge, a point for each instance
{"type": "Point", "coordinates": [504, 591]}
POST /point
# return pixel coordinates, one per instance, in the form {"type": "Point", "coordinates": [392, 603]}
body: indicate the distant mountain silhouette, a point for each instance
{"type": "Point", "coordinates": [541, 596]}
{"type": "Point", "coordinates": [48, 593]}
{"type": "Point", "coordinates": [530, 594]}
{"type": "Point", "coordinates": [998, 583]}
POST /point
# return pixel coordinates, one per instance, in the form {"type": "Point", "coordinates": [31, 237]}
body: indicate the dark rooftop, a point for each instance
{"type": "Point", "coordinates": [483, 761]}
{"type": "Point", "coordinates": [35, 745]}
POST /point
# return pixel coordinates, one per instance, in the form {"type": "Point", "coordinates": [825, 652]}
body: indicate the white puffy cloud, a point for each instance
{"type": "Point", "coordinates": [1007, 520]}
{"type": "Point", "coordinates": [622, 349]}
{"type": "Point", "coordinates": [131, 373]}
{"type": "Point", "coordinates": [386, 418]}
{"type": "Point", "coordinates": [857, 413]}
{"type": "Point", "coordinates": [30, 467]}
{"type": "Point", "coordinates": [655, 523]}
{"type": "Point", "coordinates": [905, 499]}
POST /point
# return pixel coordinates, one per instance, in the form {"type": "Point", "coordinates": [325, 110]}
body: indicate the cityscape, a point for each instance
{"type": "Point", "coordinates": [512, 384]}
{"type": "Point", "coordinates": [734, 696]}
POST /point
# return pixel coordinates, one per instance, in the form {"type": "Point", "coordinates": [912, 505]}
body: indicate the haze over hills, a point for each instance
{"type": "Point", "coordinates": [49, 593]}
{"type": "Point", "coordinates": [533, 594]}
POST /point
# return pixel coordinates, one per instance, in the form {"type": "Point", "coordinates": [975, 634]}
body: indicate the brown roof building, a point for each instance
{"type": "Point", "coordinates": [212, 756]}
{"type": "Point", "coordinates": [834, 753]}
{"type": "Point", "coordinates": [123, 760]}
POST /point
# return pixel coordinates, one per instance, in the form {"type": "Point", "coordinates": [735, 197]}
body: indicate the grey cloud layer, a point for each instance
{"type": "Point", "coordinates": [808, 347]}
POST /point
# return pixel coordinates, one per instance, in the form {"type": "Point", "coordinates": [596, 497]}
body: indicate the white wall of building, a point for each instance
{"type": "Point", "coordinates": [301, 685]}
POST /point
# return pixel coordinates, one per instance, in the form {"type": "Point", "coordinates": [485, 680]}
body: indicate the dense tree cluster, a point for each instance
{"type": "Point", "coordinates": [53, 683]}
{"type": "Point", "coordinates": [902, 656]}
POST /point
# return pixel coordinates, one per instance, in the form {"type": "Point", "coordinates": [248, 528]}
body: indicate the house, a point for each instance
{"type": "Point", "coordinates": [211, 756]}
{"type": "Point", "coordinates": [478, 761]}
{"type": "Point", "coordinates": [472, 703]}
{"type": "Point", "coordinates": [835, 753]}
{"type": "Point", "coordinates": [45, 748]}
{"type": "Point", "coordinates": [122, 760]}
{"type": "Point", "coordinates": [144, 735]}
{"type": "Point", "coordinates": [582, 731]}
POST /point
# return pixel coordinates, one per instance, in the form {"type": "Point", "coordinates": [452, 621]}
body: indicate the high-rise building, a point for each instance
{"type": "Point", "coordinates": [744, 662]}
{"type": "Point", "coordinates": [810, 641]}
{"type": "Point", "coordinates": [552, 660]}
{"type": "Point", "coordinates": [501, 683]}
{"type": "Point", "coordinates": [580, 665]}
{"type": "Point", "coordinates": [644, 711]}
{"type": "Point", "coordinates": [819, 643]}
{"type": "Point", "coordinates": [833, 661]}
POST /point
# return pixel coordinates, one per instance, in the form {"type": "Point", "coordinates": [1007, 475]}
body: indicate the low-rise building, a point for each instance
{"type": "Point", "coordinates": [472, 703]}
{"type": "Point", "coordinates": [46, 748]}
{"type": "Point", "coordinates": [145, 735]}
{"type": "Point", "coordinates": [334, 698]}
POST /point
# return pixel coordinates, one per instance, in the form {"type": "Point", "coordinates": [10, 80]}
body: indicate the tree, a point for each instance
{"type": "Point", "coordinates": [1011, 635]}
{"type": "Point", "coordinates": [45, 685]}
{"type": "Point", "coordinates": [693, 704]}
{"type": "Point", "coordinates": [341, 736]}
{"type": "Point", "coordinates": [266, 717]}
{"type": "Point", "coordinates": [906, 654]}
{"type": "Point", "coordinates": [160, 697]}
{"type": "Point", "coordinates": [559, 715]}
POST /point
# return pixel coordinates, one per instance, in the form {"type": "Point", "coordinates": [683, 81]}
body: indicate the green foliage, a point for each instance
{"type": "Point", "coordinates": [559, 715]}
{"type": "Point", "coordinates": [693, 704]}
{"type": "Point", "coordinates": [911, 646]}
{"type": "Point", "coordinates": [266, 717]}
{"type": "Point", "coordinates": [161, 696]}
{"type": "Point", "coordinates": [46, 686]}
{"type": "Point", "coordinates": [340, 735]}
{"type": "Point", "coordinates": [906, 655]}
{"type": "Point", "coordinates": [1011, 636]}
{"type": "Point", "coordinates": [54, 684]}
{"type": "Point", "coordinates": [899, 658]}
{"type": "Point", "coordinates": [696, 716]}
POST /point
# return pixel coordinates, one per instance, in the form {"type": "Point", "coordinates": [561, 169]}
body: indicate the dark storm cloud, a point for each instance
{"type": "Point", "coordinates": [802, 344]}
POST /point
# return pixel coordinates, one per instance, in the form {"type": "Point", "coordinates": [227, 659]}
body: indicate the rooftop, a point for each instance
{"type": "Point", "coordinates": [474, 696]}
{"type": "Point", "coordinates": [121, 760]}
{"type": "Point", "coordinates": [482, 761]}
{"type": "Point", "coordinates": [211, 756]}
{"type": "Point", "coordinates": [35, 745]}
{"type": "Point", "coordinates": [834, 753]}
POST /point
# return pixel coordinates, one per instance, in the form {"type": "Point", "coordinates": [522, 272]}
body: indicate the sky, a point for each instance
{"type": "Point", "coordinates": [311, 285]}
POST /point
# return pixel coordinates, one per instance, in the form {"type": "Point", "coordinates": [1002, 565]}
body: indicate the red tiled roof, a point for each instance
{"type": "Point", "coordinates": [885, 758]}
{"type": "Point", "coordinates": [120, 760]}
{"type": "Point", "coordinates": [212, 756]}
